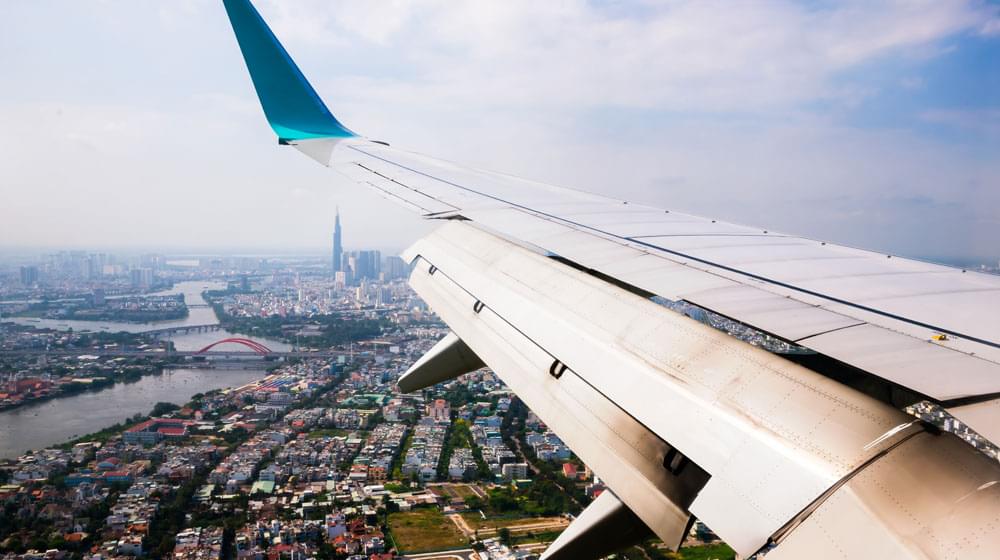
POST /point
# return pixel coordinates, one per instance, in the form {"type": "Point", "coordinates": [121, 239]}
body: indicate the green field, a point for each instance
{"type": "Point", "coordinates": [476, 521]}
{"type": "Point", "coordinates": [424, 529]}
{"type": "Point", "coordinates": [451, 490]}
{"type": "Point", "coordinates": [708, 552]}
{"type": "Point", "coordinates": [332, 432]}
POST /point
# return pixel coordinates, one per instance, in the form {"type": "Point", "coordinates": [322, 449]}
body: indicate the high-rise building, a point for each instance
{"type": "Point", "coordinates": [394, 267]}
{"type": "Point", "coordinates": [338, 247]}
{"type": "Point", "coordinates": [29, 275]}
{"type": "Point", "coordinates": [142, 277]}
{"type": "Point", "coordinates": [350, 268]}
{"type": "Point", "coordinates": [369, 264]}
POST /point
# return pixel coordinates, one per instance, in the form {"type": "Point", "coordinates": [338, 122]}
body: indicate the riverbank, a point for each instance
{"type": "Point", "coordinates": [43, 364]}
{"type": "Point", "coordinates": [57, 421]}
{"type": "Point", "coordinates": [43, 378]}
{"type": "Point", "coordinates": [77, 385]}
{"type": "Point", "coordinates": [167, 481]}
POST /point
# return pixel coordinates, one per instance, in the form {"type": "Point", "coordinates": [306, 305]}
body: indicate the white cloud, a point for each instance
{"type": "Point", "coordinates": [703, 55]}
{"type": "Point", "coordinates": [985, 122]}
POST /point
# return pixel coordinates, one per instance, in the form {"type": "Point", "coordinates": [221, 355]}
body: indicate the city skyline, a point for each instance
{"type": "Point", "coordinates": [311, 248]}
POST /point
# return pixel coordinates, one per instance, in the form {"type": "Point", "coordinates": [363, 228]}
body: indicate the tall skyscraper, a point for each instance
{"type": "Point", "coordinates": [338, 248]}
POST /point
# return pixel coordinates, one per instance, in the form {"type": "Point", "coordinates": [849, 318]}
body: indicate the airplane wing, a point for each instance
{"type": "Point", "coordinates": [748, 378]}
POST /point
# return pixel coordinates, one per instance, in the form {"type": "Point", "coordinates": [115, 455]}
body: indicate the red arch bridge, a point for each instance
{"type": "Point", "coordinates": [251, 344]}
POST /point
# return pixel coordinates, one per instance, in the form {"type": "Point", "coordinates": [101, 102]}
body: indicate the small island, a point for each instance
{"type": "Point", "coordinates": [126, 309]}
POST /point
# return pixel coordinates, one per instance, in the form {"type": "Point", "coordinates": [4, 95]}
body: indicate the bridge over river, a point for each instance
{"type": "Point", "coordinates": [254, 349]}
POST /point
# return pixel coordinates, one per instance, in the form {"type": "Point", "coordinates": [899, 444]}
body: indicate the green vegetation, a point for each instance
{"type": "Point", "coordinates": [460, 436]}
{"type": "Point", "coordinates": [490, 524]}
{"type": "Point", "coordinates": [424, 529]}
{"type": "Point", "coordinates": [717, 551]}
{"type": "Point", "coordinates": [11, 523]}
{"type": "Point", "coordinates": [329, 432]}
{"type": "Point", "coordinates": [396, 488]}
{"type": "Point", "coordinates": [532, 537]}
{"type": "Point", "coordinates": [147, 310]}
{"type": "Point", "coordinates": [550, 487]}
{"type": "Point", "coordinates": [455, 439]}
{"type": "Point", "coordinates": [333, 330]}
{"type": "Point", "coordinates": [124, 338]}
{"type": "Point", "coordinates": [708, 552]}
{"type": "Point", "coordinates": [161, 408]}
{"type": "Point", "coordinates": [540, 498]}
{"type": "Point", "coordinates": [396, 468]}
{"type": "Point", "coordinates": [504, 535]}
{"type": "Point", "coordinates": [93, 378]}
{"type": "Point", "coordinates": [107, 433]}
{"type": "Point", "coordinates": [170, 519]}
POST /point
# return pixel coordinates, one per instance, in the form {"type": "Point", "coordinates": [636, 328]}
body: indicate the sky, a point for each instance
{"type": "Point", "coordinates": [133, 123]}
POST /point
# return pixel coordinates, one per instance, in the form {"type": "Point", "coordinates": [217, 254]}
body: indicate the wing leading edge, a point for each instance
{"type": "Point", "coordinates": [681, 419]}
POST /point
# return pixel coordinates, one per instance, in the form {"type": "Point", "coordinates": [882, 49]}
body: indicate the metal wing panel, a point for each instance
{"type": "Point", "coordinates": [396, 192]}
{"type": "Point", "coordinates": [918, 364]}
{"type": "Point", "coordinates": [774, 436]}
{"type": "Point", "coordinates": [932, 497]}
{"type": "Point", "coordinates": [821, 286]}
{"type": "Point", "coordinates": [657, 228]}
{"type": "Point", "coordinates": [921, 332]}
{"type": "Point", "coordinates": [626, 455]}
{"type": "Point", "coordinates": [771, 312]}
{"type": "Point", "coordinates": [983, 417]}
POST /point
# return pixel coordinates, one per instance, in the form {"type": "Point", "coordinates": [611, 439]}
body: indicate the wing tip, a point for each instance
{"type": "Point", "coordinates": [292, 107]}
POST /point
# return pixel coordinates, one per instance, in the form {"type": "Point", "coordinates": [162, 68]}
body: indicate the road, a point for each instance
{"type": "Point", "coordinates": [540, 526]}
{"type": "Point", "coordinates": [459, 522]}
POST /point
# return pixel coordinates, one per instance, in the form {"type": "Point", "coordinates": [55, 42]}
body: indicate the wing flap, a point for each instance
{"type": "Point", "coordinates": [921, 365]}
{"type": "Point", "coordinates": [772, 435]}
{"type": "Point", "coordinates": [983, 417]}
{"type": "Point", "coordinates": [621, 451]}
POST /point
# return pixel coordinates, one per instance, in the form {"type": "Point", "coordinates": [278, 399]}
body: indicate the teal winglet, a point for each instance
{"type": "Point", "coordinates": [291, 105]}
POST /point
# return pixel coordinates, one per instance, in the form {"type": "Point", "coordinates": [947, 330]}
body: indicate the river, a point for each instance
{"type": "Point", "coordinates": [57, 420]}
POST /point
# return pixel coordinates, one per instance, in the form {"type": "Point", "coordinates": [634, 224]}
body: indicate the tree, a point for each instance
{"type": "Point", "coordinates": [161, 408]}
{"type": "Point", "coordinates": [504, 534]}
{"type": "Point", "coordinates": [474, 502]}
